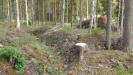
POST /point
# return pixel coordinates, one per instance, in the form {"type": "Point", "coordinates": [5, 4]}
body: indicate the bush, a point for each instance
{"type": "Point", "coordinates": [8, 53]}
{"type": "Point", "coordinates": [51, 70]}
{"type": "Point", "coordinates": [30, 22]}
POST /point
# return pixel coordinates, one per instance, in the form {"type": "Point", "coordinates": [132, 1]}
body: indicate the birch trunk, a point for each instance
{"type": "Point", "coordinates": [81, 13]}
{"type": "Point", "coordinates": [27, 15]}
{"type": "Point", "coordinates": [18, 18]}
{"type": "Point", "coordinates": [121, 16]}
{"type": "Point", "coordinates": [93, 15]}
{"type": "Point", "coordinates": [87, 12]}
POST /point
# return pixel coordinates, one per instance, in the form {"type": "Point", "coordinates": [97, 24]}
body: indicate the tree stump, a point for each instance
{"type": "Point", "coordinates": [81, 48]}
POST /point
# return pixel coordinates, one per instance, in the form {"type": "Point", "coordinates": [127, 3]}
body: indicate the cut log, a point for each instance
{"type": "Point", "coordinates": [81, 48]}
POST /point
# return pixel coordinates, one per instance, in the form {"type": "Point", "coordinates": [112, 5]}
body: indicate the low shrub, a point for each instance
{"type": "Point", "coordinates": [122, 70]}
{"type": "Point", "coordinates": [14, 56]}
{"type": "Point", "coordinates": [51, 70]}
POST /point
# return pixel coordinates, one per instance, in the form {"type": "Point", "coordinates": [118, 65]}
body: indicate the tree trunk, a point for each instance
{"type": "Point", "coordinates": [49, 12]}
{"type": "Point", "coordinates": [18, 18]}
{"type": "Point", "coordinates": [108, 26]}
{"type": "Point", "coordinates": [71, 13]}
{"type": "Point", "coordinates": [67, 13]}
{"type": "Point", "coordinates": [43, 21]}
{"type": "Point", "coordinates": [9, 12]}
{"type": "Point", "coordinates": [27, 15]}
{"type": "Point", "coordinates": [81, 13]}
{"type": "Point", "coordinates": [93, 15]}
{"type": "Point", "coordinates": [63, 12]}
{"type": "Point", "coordinates": [97, 5]}
{"type": "Point", "coordinates": [87, 11]}
{"type": "Point", "coordinates": [33, 11]}
{"type": "Point", "coordinates": [121, 16]}
{"type": "Point", "coordinates": [127, 27]}
{"type": "Point", "coordinates": [55, 11]}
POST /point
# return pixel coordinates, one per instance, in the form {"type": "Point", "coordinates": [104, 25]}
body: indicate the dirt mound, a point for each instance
{"type": "Point", "coordinates": [63, 43]}
{"type": "Point", "coordinates": [39, 31]}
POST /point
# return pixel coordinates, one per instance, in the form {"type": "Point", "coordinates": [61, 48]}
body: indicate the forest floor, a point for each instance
{"type": "Point", "coordinates": [48, 50]}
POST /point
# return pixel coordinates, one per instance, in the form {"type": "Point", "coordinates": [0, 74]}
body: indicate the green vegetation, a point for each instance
{"type": "Point", "coordinates": [23, 47]}
{"type": "Point", "coordinates": [121, 70]}
{"type": "Point", "coordinates": [62, 52]}
{"type": "Point", "coordinates": [98, 32]}
{"type": "Point", "coordinates": [14, 56]}
{"type": "Point", "coordinates": [19, 41]}
{"type": "Point", "coordinates": [51, 70]}
{"type": "Point", "coordinates": [54, 71]}
{"type": "Point", "coordinates": [67, 30]}
{"type": "Point", "coordinates": [4, 32]}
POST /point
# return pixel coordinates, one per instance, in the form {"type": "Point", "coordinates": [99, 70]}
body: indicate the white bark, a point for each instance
{"type": "Point", "coordinates": [18, 18]}
{"type": "Point", "coordinates": [93, 14]}
{"type": "Point", "coordinates": [81, 13]}
{"type": "Point", "coordinates": [87, 9]}
{"type": "Point", "coordinates": [27, 15]}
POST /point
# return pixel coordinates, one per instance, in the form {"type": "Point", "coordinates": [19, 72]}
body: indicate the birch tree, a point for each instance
{"type": "Point", "coordinates": [27, 16]}
{"type": "Point", "coordinates": [93, 15]}
{"type": "Point", "coordinates": [81, 13]}
{"type": "Point", "coordinates": [121, 15]}
{"type": "Point", "coordinates": [87, 11]}
{"type": "Point", "coordinates": [18, 18]}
